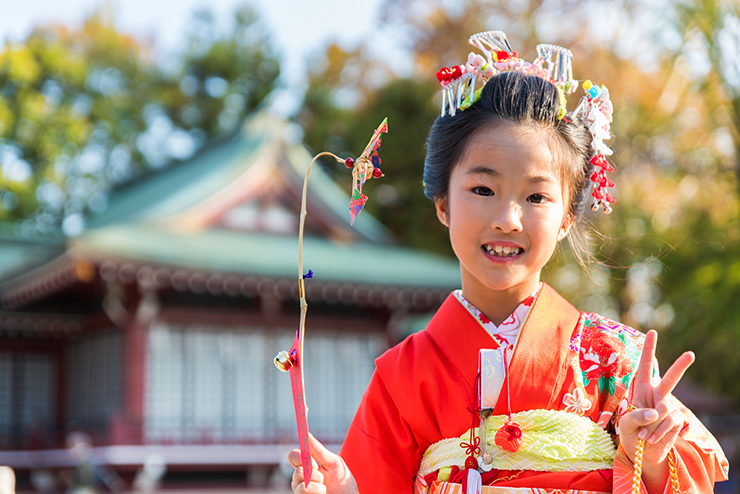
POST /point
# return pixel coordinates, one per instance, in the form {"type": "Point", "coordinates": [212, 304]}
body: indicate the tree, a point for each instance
{"type": "Point", "coordinates": [84, 110]}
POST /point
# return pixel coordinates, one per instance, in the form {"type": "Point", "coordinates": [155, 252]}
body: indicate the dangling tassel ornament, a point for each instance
{"type": "Point", "coordinates": [509, 436]}
{"type": "Point", "coordinates": [472, 483]}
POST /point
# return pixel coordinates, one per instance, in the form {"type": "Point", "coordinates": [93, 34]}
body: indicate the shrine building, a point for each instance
{"type": "Point", "coordinates": [153, 332]}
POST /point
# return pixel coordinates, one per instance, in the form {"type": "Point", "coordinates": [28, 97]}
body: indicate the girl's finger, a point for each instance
{"type": "Point", "coordinates": [313, 488]}
{"type": "Point", "coordinates": [631, 422]}
{"type": "Point", "coordinates": [645, 367]}
{"type": "Point", "coordinates": [322, 455]}
{"type": "Point", "coordinates": [297, 479]}
{"type": "Point", "coordinates": [294, 458]}
{"type": "Point", "coordinates": [663, 409]}
{"type": "Point", "coordinates": [297, 482]}
{"type": "Point", "coordinates": [674, 374]}
{"type": "Point", "coordinates": [671, 424]}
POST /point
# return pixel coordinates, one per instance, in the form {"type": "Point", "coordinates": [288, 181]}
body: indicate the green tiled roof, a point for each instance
{"type": "Point", "coordinates": [19, 255]}
{"type": "Point", "coordinates": [170, 190]}
{"type": "Point", "coordinates": [272, 255]}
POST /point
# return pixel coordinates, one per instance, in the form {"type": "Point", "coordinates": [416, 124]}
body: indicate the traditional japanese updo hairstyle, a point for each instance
{"type": "Point", "coordinates": [525, 100]}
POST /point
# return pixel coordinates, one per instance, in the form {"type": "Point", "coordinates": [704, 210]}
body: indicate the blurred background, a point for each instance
{"type": "Point", "coordinates": [151, 161]}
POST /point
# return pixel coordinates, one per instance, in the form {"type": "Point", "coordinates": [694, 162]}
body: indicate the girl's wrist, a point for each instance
{"type": "Point", "coordinates": [655, 475]}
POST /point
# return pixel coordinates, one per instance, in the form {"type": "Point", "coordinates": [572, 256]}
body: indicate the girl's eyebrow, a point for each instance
{"type": "Point", "coordinates": [484, 170]}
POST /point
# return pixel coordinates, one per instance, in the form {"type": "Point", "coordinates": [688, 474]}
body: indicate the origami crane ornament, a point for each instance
{"type": "Point", "coordinates": [367, 166]}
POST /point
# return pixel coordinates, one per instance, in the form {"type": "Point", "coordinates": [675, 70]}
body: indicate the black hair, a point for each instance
{"type": "Point", "coordinates": [526, 100]}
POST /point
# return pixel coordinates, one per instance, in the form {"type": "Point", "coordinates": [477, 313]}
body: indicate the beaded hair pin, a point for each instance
{"type": "Point", "coordinates": [462, 86]}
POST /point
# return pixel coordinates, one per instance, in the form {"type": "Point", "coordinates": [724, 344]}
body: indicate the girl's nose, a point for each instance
{"type": "Point", "coordinates": [507, 218]}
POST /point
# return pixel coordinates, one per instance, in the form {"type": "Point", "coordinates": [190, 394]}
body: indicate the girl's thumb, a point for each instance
{"type": "Point", "coordinates": [640, 417]}
{"type": "Point", "coordinates": [320, 453]}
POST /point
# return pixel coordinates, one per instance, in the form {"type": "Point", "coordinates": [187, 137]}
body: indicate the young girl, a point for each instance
{"type": "Point", "coordinates": [510, 388]}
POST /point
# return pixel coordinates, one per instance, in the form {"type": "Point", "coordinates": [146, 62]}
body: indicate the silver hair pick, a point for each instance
{"type": "Point", "coordinates": [559, 64]}
{"type": "Point", "coordinates": [489, 42]}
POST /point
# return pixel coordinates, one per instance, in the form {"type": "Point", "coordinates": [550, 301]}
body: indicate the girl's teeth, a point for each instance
{"type": "Point", "coordinates": [500, 251]}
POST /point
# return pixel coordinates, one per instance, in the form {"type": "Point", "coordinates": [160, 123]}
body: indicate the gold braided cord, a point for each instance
{"type": "Point", "coordinates": [675, 486]}
{"type": "Point", "coordinates": [552, 441]}
{"type": "Point", "coordinates": [674, 473]}
{"type": "Point", "coordinates": [638, 466]}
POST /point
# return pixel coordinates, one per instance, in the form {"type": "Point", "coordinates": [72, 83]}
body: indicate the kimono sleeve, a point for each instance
{"type": "Point", "coordinates": [380, 449]}
{"type": "Point", "coordinates": [700, 460]}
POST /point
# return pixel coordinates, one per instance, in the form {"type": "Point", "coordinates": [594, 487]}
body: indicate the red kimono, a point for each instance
{"type": "Point", "coordinates": [424, 388]}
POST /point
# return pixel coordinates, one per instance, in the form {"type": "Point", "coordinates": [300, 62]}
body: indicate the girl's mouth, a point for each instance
{"type": "Point", "coordinates": [502, 251]}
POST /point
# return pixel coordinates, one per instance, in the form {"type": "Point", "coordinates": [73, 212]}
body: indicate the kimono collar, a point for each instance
{"type": "Point", "coordinates": [540, 356]}
{"type": "Point", "coordinates": [507, 332]}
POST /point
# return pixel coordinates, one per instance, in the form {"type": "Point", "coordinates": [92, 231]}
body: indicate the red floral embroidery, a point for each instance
{"type": "Point", "coordinates": [529, 301]}
{"type": "Point", "coordinates": [603, 359]}
{"type": "Point", "coordinates": [483, 318]}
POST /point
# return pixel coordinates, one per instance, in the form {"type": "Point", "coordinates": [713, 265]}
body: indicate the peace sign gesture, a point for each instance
{"type": "Point", "coordinates": [658, 418]}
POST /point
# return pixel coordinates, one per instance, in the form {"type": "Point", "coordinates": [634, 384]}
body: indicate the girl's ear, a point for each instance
{"type": "Point", "coordinates": [565, 227]}
{"type": "Point", "coordinates": [440, 203]}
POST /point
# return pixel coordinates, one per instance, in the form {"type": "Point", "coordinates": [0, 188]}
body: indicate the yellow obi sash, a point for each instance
{"type": "Point", "coordinates": [448, 488]}
{"type": "Point", "coordinates": [552, 441]}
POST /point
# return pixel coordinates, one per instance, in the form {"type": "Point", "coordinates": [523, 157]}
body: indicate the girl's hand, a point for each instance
{"type": "Point", "coordinates": [330, 476]}
{"type": "Point", "coordinates": [658, 418]}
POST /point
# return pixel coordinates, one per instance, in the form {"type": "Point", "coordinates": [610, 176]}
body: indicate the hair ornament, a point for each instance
{"type": "Point", "coordinates": [462, 86]}
{"type": "Point", "coordinates": [597, 109]}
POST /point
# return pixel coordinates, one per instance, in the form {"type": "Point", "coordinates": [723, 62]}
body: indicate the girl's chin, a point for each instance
{"type": "Point", "coordinates": [507, 284]}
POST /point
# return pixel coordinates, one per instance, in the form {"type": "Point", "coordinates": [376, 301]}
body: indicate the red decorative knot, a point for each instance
{"type": "Point", "coordinates": [349, 162]}
{"type": "Point", "coordinates": [471, 463]}
{"type": "Point", "coordinates": [473, 447]}
{"type": "Point", "coordinates": [377, 173]}
{"type": "Point", "coordinates": [509, 437]}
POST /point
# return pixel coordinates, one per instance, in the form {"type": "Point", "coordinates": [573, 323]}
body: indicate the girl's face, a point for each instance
{"type": "Point", "coordinates": [505, 210]}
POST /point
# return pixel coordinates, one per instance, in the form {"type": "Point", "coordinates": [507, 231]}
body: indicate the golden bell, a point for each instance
{"type": "Point", "coordinates": [284, 361]}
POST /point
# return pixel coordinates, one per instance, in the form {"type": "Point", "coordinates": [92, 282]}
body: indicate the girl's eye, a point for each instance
{"type": "Point", "coordinates": [482, 191]}
{"type": "Point", "coordinates": [537, 198]}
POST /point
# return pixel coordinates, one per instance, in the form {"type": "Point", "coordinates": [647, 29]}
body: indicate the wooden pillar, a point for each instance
{"type": "Point", "coordinates": [128, 428]}
{"type": "Point", "coordinates": [60, 419]}
{"type": "Point", "coordinates": [134, 351]}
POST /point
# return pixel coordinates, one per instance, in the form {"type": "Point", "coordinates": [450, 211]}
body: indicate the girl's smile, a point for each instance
{"type": "Point", "coordinates": [502, 252]}
{"type": "Point", "coordinates": [506, 214]}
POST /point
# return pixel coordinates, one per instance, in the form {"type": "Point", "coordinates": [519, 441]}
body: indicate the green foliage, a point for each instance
{"type": "Point", "coordinates": [705, 297]}
{"type": "Point", "coordinates": [84, 110]}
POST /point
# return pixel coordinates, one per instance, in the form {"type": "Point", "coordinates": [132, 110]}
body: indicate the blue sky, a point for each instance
{"type": "Point", "coordinates": [299, 28]}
